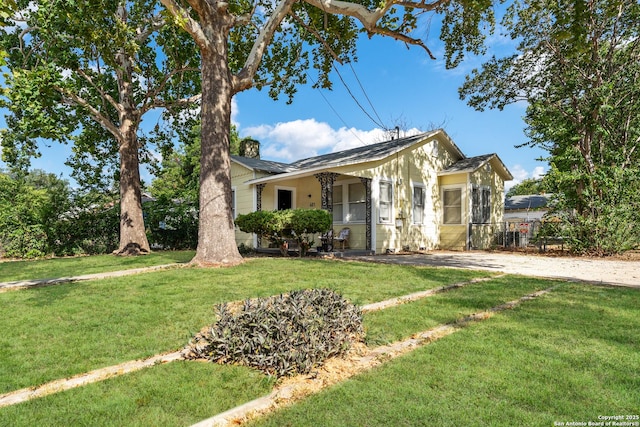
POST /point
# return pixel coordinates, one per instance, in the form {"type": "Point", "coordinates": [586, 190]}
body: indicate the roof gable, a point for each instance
{"type": "Point", "coordinates": [472, 164]}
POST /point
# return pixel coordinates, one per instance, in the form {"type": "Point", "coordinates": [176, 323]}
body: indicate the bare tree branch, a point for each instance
{"type": "Point", "coordinates": [403, 38]}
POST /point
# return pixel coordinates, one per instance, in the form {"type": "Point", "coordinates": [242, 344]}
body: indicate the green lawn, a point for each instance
{"type": "Point", "coordinates": [568, 355]}
{"type": "Point", "coordinates": [76, 266]}
{"type": "Point", "coordinates": [63, 330]}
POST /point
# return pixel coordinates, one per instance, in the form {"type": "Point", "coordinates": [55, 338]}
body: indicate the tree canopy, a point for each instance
{"type": "Point", "coordinates": [528, 186]}
{"type": "Point", "coordinates": [87, 73]}
{"type": "Point", "coordinates": [578, 68]}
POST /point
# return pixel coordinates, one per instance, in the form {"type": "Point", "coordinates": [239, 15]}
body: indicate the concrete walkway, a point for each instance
{"type": "Point", "coordinates": [589, 270]}
{"type": "Point", "coordinates": [21, 284]}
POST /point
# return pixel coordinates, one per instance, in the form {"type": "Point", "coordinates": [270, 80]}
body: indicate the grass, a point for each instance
{"type": "Point", "coordinates": [179, 393]}
{"type": "Point", "coordinates": [76, 266]}
{"type": "Point", "coordinates": [396, 323]}
{"type": "Point", "coordinates": [62, 330]}
{"type": "Point", "coordinates": [569, 356]}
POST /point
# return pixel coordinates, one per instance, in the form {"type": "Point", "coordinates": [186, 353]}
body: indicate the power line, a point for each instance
{"type": "Point", "coordinates": [379, 124]}
{"type": "Point", "coordinates": [365, 94]}
{"type": "Point", "coordinates": [336, 112]}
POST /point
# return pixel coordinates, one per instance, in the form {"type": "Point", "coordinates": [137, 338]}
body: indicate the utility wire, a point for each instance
{"type": "Point", "coordinates": [336, 112]}
{"type": "Point", "coordinates": [365, 94]}
{"type": "Point", "coordinates": [380, 125]}
{"type": "Point", "coordinates": [377, 123]}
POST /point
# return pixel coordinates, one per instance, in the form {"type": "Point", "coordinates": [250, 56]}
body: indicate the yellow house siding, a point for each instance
{"type": "Point", "coordinates": [482, 235]}
{"type": "Point", "coordinates": [244, 200]}
{"type": "Point", "coordinates": [416, 166]}
{"type": "Point", "coordinates": [454, 236]}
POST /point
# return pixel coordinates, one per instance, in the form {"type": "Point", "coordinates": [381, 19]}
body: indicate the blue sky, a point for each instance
{"type": "Point", "coordinates": [401, 86]}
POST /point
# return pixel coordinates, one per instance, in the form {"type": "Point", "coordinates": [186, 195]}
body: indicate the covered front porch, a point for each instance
{"type": "Point", "coordinates": [316, 191]}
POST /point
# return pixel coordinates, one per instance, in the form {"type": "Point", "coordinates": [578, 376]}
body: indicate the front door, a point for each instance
{"type": "Point", "coordinates": [285, 199]}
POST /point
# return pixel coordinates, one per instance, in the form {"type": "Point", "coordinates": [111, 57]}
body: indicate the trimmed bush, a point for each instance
{"type": "Point", "coordinates": [281, 335]}
{"type": "Point", "coordinates": [278, 226]}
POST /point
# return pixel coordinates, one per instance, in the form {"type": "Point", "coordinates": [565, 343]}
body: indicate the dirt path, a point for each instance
{"type": "Point", "coordinates": [591, 270]}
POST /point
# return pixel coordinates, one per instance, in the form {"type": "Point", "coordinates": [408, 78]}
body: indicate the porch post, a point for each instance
{"type": "Point", "coordinates": [367, 188]}
{"type": "Point", "coordinates": [326, 196]}
{"type": "Point", "coordinates": [259, 188]}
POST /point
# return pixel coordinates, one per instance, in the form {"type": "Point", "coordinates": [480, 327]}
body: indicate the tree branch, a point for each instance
{"type": "Point", "coordinates": [402, 37]}
{"type": "Point", "coordinates": [102, 93]}
{"type": "Point", "coordinates": [369, 18]}
{"type": "Point", "coordinates": [244, 79]}
{"type": "Point", "coordinates": [97, 115]}
{"type": "Point", "coordinates": [152, 94]}
{"type": "Point", "coordinates": [180, 102]}
{"type": "Point", "coordinates": [154, 24]}
{"type": "Point", "coordinates": [189, 24]}
{"type": "Point", "coordinates": [318, 37]}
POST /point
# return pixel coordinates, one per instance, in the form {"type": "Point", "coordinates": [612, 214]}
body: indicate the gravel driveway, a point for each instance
{"type": "Point", "coordinates": [592, 270]}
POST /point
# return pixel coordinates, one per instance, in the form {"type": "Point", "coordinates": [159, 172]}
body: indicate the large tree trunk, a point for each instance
{"type": "Point", "coordinates": [133, 238]}
{"type": "Point", "coordinates": [216, 235]}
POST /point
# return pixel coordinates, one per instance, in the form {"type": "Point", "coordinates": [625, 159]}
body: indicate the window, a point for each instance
{"type": "Point", "coordinates": [349, 202]}
{"type": "Point", "coordinates": [357, 202]}
{"type": "Point", "coordinates": [452, 206]}
{"type": "Point", "coordinates": [337, 204]}
{"type": "Point", "coordinates": [233, 203]}
{"type": "Point", "coordinates": [386, 201]}
{"type": "Point", "coordinates": [481, 204]}
{"type": "Point", "coordinates": [418, 204]}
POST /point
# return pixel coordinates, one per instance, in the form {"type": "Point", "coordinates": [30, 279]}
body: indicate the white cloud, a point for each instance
{"type": "Point", "coordinates": [538, 172]}
{"type": "Point", "coordinates": [520, 174]}
{"type": "Point", "coordinates": [298, 139]}
{"type": "Point", "coordinates": [234, 111]}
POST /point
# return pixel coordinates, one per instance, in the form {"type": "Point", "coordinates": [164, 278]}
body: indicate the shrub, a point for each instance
{"type": "Point", "coordinates": [172, 224]}
{"type": "Point", "coordinates": [304, 223]}
{"type": "Point", "coordinates": [281, 335]}
{"type": "Point", "coordinates": [277, 226]}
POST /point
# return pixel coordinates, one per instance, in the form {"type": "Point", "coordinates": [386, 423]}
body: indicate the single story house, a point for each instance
{"type": "Point", "coordinates": [414, 193]}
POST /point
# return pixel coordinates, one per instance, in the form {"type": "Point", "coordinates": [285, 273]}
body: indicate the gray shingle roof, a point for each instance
{"type": "Point", "coordinates": [264, 165]}
{"type": "Point", "coordinates": [468, 164]}
{"type": "Point", "coordinates": [532, 201]}
{"type": "Point", "coordinates": [370, 152]}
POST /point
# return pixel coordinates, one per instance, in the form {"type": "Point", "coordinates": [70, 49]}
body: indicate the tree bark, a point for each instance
{"type": "Point", "coordinates": [133, 237]}
{"type": "Point", "coordinates": [216, 233]}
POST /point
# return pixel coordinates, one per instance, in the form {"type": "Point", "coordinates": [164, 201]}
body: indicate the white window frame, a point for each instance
{"type": "Point", "coordinates": [424, 202]}
{"type": "Point", "coordinates": [461, 188]}
{"type": "Point", "coordinates": [390, 202]}
{"type": "Point", "coordinates": [234, 211]}
{"type": "Point", "coordinates": [345, 201]}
